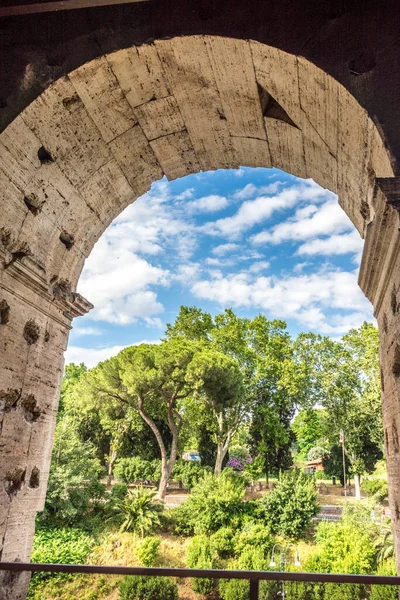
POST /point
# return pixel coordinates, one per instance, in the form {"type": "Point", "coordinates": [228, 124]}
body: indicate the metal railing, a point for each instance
{"type": "Point", "coordinates": [254, 577]}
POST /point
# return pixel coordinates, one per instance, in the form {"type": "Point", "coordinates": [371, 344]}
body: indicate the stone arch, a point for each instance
{"type": "Point", "coordinates": [95, 140]}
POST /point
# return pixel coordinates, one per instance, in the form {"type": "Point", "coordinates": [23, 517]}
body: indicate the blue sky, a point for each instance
{"type": "Point", "coordinates": [256, 240]}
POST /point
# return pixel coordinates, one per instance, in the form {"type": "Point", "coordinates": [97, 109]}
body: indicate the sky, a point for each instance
{"type": "Point", "coordinates": [255, 240]}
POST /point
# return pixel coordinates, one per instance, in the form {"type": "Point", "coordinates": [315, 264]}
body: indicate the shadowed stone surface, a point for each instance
{"type": "Point", "coordinates": [94, 141]}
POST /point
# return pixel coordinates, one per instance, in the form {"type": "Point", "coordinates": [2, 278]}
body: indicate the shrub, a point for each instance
{"type": "Point", "coordinates": [119, 490]}
{"type": "Point", "coordinates": [234, 589]}
{"type": "Point", "coordinates": [136, 469]}
{"type": "Point", "coordinates": [148, 551]}
{"type": "Point", "coordinates": [188, 473]}
{"type": "Point", "coordinates": [253, 535]}
{"type": "Point", "coordinates": [182, 520]}
{"type": "Point", "coordinates": [222, 542]}
{"type": "Point", "coordinates": [138, 512]}
{"type": "Point", "coordinates": [201, 555]}
{"type": "Point", "coordinates": [385, 592]}
{"type": "Point", "coordinates": [215, 502]}
{"type": "Point", "coordinates": [59, 546]}
{"type": "Point", "coordinates": [289, 508]}
{"type": "Point", "coordinates": [252, 559]}
{"type": "Point", "coordinates": [147, 588]}
{"type": "Point", "coordinates": [375, 487]}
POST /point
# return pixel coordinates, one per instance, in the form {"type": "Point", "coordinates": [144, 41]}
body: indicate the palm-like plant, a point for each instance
{"type": "Point", "coordinates": [385, 547]}
{"type": "Point", "coordinates": [139, 511]}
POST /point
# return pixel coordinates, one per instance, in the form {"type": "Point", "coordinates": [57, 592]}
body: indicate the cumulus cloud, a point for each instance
{"type": "Point", "coordinates": [291, 297]}
{"type": "Point", "coordinates": [223, 249]}
{"type": "Point", "coordinates": [308, 222]}
{"type": "Point", "coordinates": [252, 212]}
{"type": "Point", "coordinates": [333, 245]}
{"type": "Point", "coordinates": [208, 204]}
{"type": "Point", "coordinates": [250, 190]}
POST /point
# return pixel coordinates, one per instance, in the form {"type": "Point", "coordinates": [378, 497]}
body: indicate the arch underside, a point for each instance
{"type": "Point", "coordinates": [95, 141]}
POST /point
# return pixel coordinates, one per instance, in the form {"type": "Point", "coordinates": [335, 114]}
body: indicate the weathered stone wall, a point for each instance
{"type": "Point", "coordinates": [93, 142]}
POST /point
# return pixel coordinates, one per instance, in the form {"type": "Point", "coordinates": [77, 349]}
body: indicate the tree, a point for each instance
{"type": "Point", "coordinates": [72, 376]}
{"type": "Point", "coordinates": [217, 381]}
{"type": "Point", "coordinates": [343, 377]}
{"type": "Point", "coordinates": [73, 479]}
{"type": "Point", "coordinates": [152, 380]}
{"type": "Point", "coordinates": [308, 430]}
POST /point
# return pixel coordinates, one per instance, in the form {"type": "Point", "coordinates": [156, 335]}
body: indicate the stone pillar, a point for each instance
{"type": "Point", "coordinates": [380, 280]}
{"type": "Point", "coordinates": [35, 320]}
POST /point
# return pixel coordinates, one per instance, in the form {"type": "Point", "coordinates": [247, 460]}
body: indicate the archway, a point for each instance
{"type": "Point", "coordinates": [94, 141]}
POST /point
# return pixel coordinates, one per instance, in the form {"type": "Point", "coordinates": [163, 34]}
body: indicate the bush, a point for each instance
{"type": "Point", "coordinates": [222, 542]}
{"type": "Point", "coordinates": [188, 473]}
{"type": "Point", "coordinates": [375, 487]}
{"type": "Point", "coordinates": [215, 502]}
{"type": "Point", "coordinates": [182, 520]}
{"type": "Point", "coordinates": [139, 511]}
{"type": "Point", "coordinates": [201, 555]}
{"type": "Point", "coordinates": [147, 588]}
{"type": "Point", "coordinates": [234, 589]}
{"type": "Point", "coordinates": [148, 551]}
{"type": "Point", "coordinates": [119, 490]}
{"type": "Point", "coordinates": [254, 535]}
{"type": "Point", "coordinates": [137, 469]}
{"type": "Point", "coordinates": [289, 508]}
{"type": "Point", "coordinates": [59, 546]}
{"type": "Point", "coordinates": [385, 592]}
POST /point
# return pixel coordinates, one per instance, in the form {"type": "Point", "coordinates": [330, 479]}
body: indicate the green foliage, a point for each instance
{"type": "Point", "coordinates": [148, 551]}
{"type": "Point", "coordinates": [215, 502]}
{"type": "Point", "coordinates": [138, 512]}
{"type": "Point", "coordinates": [342, 547]}
{"type": "Point", "coordinates": [137, 469]}
{"type": "Point", "coordinates": [289, 508]}
{"type": "Point", "coordinates": [201, 555]}
{"type": "Point", "coordinates": [73, 489]}
{"type": "Point", "coordinates": [182, 520]}
{"type": "Point", "coordinates": [234, 589]}
{"type": "Point", "coordinates": [385, 547]}
{"type": "Point", "coordinates": [188, 473]}
{"type": "Point", "coordinates": [378, 488]}
{"type": "Point", "coordinates": [308, 430]}
{"type": "Point", "coordinates": [59, 546]}
{"type": "Point", "coordinates": [315, 453]}
{"type": "Point", "coordinates": [119, 490]}
{"type": "Point", "coordinates": [222, 542]}
{"type": "Point", "coordinates": [385, 592]}
{"type": "Point", "coordinates": [147, 588]}
{"type": "Point", "coordinates": [254, 535]}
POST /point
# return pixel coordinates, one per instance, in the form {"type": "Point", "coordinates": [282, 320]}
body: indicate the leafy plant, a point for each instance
{"type": "Point", "coordinates": [189, 473]}
{"type": "Point", "coordinates": [215, 502]}
{"type": "Point", "coordinates": [138, 512]}
{"type": "Point", "coordinates": [222, 542]}
{"type": "Point", "coordinates": [59, 546]}
{"type": "Point", "coordinates": [147, 588]}
{"type": "Point", "coordinates": [253, 535]}
{"type": "Point", "coordinates": [201, 555]}
{"type": "Point", "coordinates": [378, 488]}
{"type": "Point", "coordinates": [136, 469]}
{"type": "Point", "coordinates": [385, 592]}
{"type": "Point", "coordinates": [148, 551]}
{"type": "Point", "coordinates": [289, 508]}
{"type": "Point", "coordinates": [385, 547]}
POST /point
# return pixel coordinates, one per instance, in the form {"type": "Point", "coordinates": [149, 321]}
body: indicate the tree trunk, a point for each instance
{"type": "Point", "coordinates": [165, 473]}
{"type": "Point", "coordinates": [221, 453]}
{"type": "Point", "coordinates": [112, 459]}
{"type": "Point", "coordinates": [357, 479]}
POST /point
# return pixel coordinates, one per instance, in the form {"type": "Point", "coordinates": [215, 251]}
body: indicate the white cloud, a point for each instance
{"type": "Point", "coordinates": [239, 172]}
{"type": "Point", "coordinates": [223, 249]}
{"type": "Point", "coordinates": [117, 281]}
{"type": "Point", "coordinates": [208, 204]}
{"type": "Point", "coordinates": [252, 212]}
{"type": "Point", "coordinates": [92, 356]}
{"type": "Point", "coordinates": [336, 244]}
{"type": "Point", "coordinates": [250, 190]}
{"type": "Point", "coordinates": [308, 222]}
{"type": "Point", "coordinates": [87, 331]}
{"type": "Point", "coordinates": [259, 266]}
{"type": "Point", "coordinates": [292, 297]}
